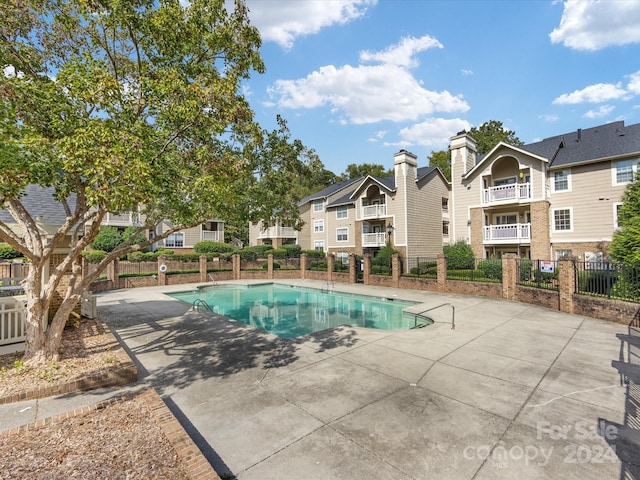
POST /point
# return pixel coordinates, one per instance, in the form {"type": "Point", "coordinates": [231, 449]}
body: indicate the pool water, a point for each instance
{"type": "Point", "coordinates": [290, 312]}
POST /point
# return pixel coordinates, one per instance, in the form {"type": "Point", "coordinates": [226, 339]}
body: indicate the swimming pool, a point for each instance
{"type": "Point", "coordinates": [290, 312]}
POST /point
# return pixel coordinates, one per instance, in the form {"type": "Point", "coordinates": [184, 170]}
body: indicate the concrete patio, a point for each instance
{"type": "Point", "coordinates": [515, 391]}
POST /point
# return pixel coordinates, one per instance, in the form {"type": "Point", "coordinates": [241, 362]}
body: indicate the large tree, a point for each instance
{"type": "Point", "coordinates": [442, 160]}
{"type": "Point", "coordinates": [354, 170]}
{"type": "Point", "coordinates": [115, 105]}
{"type": "Point", "coordinates": [625, 246]}
{"type": "Point", "coordinates": [492, 132]}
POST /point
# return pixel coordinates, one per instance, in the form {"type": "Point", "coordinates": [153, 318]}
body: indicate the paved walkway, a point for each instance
{"type": "Point", "coordinates": [515, 391]}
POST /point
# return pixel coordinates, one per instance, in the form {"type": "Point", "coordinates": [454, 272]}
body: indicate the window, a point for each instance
{"type": "Point", "coordinates": [342, 257]}
{"type": "Point", "coordinates": [506, 219]}
{"type": "Point", "coordinates": [318, 205]}
{"type": "Point", "coordinates": [174, 240]}
{"type": "Point", "coordinates": [504, 181]}
{"type": "Point", "coordinates": [625, 171]}
{"type": "Point", "coordinates": [445, 205]}
{"type": "Point", "coordinates": [562, 220]}
{"type": "Point", "coordinates": [342, 211]}
{"type": "Point", "coordinates": [318, 245]}
{"type": "Point", "coordinates": [445, 228]}
{"type": "Point", "coordinates": [318, 226]}
{"type": "Point", "coordinates": [342, 234]}
{"type": "Point", "coordinates": [562, 254]}
{"type": "Point", "coordinates": [561, 181]}
{"type": "Point", "coordinates": [616, 212]}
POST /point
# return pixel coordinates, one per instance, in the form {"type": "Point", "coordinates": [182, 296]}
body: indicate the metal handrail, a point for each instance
{"type": "Point", "coordinates": [453, 315]}
{"type": "Point", "coordinates": [199, 302]}
{"type": "Point", "coordinates": [210, 277]}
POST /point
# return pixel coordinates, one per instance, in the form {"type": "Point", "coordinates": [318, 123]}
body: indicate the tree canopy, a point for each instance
{"type": "Point", "coordinates": [625, 246]}
{"type": "Point", "coordinates": [442, 160]}
{"type": "Point", "coordinates": [126, 105]}
{"type": "Point", "coordinates": [354, 171]}
{"type": "Point", "coordinates": [492, 132]}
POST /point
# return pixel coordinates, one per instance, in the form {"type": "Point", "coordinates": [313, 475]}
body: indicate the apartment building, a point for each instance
{"type": "Point", "coordinates": [547, 199]}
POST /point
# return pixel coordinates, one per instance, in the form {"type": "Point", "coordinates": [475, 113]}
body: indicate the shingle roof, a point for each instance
{"type": "Point", "coordinates": [39, 201]}
{"type": "Point", "coordinates": [330, 190]}
{"type": "Point", "coordinates": [589, 144]}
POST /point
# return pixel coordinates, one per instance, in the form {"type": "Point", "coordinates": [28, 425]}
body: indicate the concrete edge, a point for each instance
{"type": "Point", "coordinates": [194, 462]}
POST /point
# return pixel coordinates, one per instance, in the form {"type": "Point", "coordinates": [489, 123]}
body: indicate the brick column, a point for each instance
{"type": "Point", "coordinates": [270, 265]}
{"type": "Point", "coordinates": [203, 268]}
{"type": "Point", "coordinates": [396, 269]}
{"type": "Point", "coordinates": [567, 285]}
{"type": "Point", "coordinates": [331, 260]}
{"type": "Point", "coordinates": [113, 272]}
{"type": "Point", "coordinates": [236, 266]}
{"type": "Point", "coordinates": [304, 264]}
{"type": "Point", "coordinates": [353, 268]}
{"type": "Point", "coordinates": [366, 263]}
{"type": "Point", "coordinates": [162, 273]}
{"type": "Point", "coordinates": [509, 275]}
{"type": "Point", "coordinates": [442, 272]}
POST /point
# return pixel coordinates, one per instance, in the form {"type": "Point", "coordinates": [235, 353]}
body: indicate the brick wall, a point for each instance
{"type": "Point", "coordinates": [540, 230]}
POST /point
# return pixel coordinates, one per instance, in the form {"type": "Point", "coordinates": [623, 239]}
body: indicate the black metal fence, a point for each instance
{"type": "Point", "coordinates": [423, 267]}
{"type": "Point", "coordinates": [538, 273]}
{"type": "Point", "coordinates": [478, 270]}
{"type": "Point", "coordinates": [608, 279]}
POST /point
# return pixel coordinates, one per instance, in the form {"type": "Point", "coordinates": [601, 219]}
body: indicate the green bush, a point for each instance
{"type": "Point", "coordinates": [265, 265]}
{"type": "Point", "coordinates": [459, 256]}
{"type": "Point", "coordinates": [380, 269]}
{"type": "Point", "coordinates": [151, 256]}
{"type": "Point", "coordinates": [278, 253]}
{"type": "Point", "coordinates": [208, 246]}
{"type": "Point", "coordinates": [8, 252]}
{"type": "Point", "coordinates": [315, 253]}
{"type": "Point", "coordinates": [261, 250]}
{"type": "Point", "coordinates": [340, 267]}
{"type": "Point", "coordinates": [319, 265]}
{"type": "Point", "coordinates": [107, 240]}
{"type": "Point", "coordinates": [164, 251]}
{"type": "Point", "coordinates": [545, 277]}
{"type": "Point", "coordinates": [94, 256]}
{"type": "Point", "coordinates": [425, 268]}
{"type": "Point", "coordinates": [466, 274]}
{"type": "Point", "coordinates": [292, 249]}
{"type": "Point", "coordinates": [135, 256]}
{"type": "Point", "coordinates": [597, 281]}
{"type": "Point", "coordinates": [491, 268]}
{"type": "Point", "coordinates": [526, 267]}
{"type": "Point", "coordinates": [383, 258]}
{"type": "Point", "coordinates": [247, 255]}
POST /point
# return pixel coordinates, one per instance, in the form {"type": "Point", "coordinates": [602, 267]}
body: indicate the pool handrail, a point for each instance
{"type": "Point", "coordinates": [200, 302]}
{"type": "Point", "coordinates": [453, 315]}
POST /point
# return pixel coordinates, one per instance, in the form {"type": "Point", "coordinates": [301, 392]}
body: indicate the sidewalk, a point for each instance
{"type": "Point", "coordinates": [515, 391]}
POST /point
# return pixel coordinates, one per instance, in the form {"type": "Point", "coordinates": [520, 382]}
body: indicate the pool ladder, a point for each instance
{"type": "Point", "coordinates": [201, 303]}
{"type": "Point", "coordinates": [328, 286]}
{"type": "Point", "coordinates": [420, 314]}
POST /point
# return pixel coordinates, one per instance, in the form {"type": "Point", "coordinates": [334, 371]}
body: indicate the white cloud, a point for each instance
{"type": "Point", "coordinates": [600, 92]}
{"type": "Point", "coordinates": [283, 21]}
{"type": "Point", "coordinates": [634, 83]}
{"type": "Point", "coordinates": [603, 111]}
{"type": "Point", "coordinates": [466, 73]}
{"type": "Point", "coordinates": [549, 118]}
{"type": "Point", "coordinates": [379, 135]}
{"type": "Point", "coordinates": [370, 93]}
{"type": "Point", "coordinates": [593, 25]}
{"type": "Point", "coordinates": [402, 54]}
{"type": "Point", "coordinates": [432, 133]}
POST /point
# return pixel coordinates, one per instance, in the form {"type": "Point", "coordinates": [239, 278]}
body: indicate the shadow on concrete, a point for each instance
{"type": "Point", "coordinates": [625, 439]}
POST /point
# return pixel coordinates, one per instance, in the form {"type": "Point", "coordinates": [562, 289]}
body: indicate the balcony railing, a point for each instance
{"type": "Point", "coordinates": [374, 239]}
{"type": "Point", "coordinates": [511, 233]}
{"type": "Point", "coordinates": [212, 235]}
{"type": "Point", "coordinates": [279, 232]}
{"type": "Point", "coordinates": [506, 193]}
{"type": "Point", "coordinates": [122, 220]}
{"type": "Point", "coordinates": [373, 211]}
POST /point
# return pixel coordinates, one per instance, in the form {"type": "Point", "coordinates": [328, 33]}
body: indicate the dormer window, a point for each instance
{"type": "Point", "coordinates": [318, 205]}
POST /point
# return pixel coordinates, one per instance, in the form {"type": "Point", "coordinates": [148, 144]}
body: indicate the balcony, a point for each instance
{"type": "Point", "coordinates": [122, 220]}
{"type": "Point", "coordinates": [516, 233]}
{"type": "Point", "coordinates": [212, 235]}
{"type": "Point", "coordinates": [373, 211]}
{"type": "Point", "coordinates": [278, 232]}
{"type": "Point", "coordinates": [374, 239]}
{"type": "Point", "coordinates": [502, 194]}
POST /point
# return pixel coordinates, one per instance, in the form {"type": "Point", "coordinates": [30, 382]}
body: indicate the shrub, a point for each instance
{"type": "Point", "coordinates": [545, 277]}
{"type": "Point", "coordinates": [292, 249]}
{"type": "Point", "coordinates": [315, 253]}
{"type": "Point", "coordinates": [107, 240]}
{"type": "Point", "coordinates": [208, 246]}
{"type": "Point", "coordinates": [459, 256]}
{"type": "Point", "coordinates": [164, 251]}
{"type": "Point", "coordinates": [491, 268]}
{"type": "Point", "coordinates": [383, 258]}
{"type": "Point", "coordinates": [526, 266]}
{"type": "Point", "coordinates": [425, 268]}
{"type": "Point", "coordinates": [261, 250]}
{"type": "Point", "coordinates": [151, 256]}
{"type": "Point", "coordinates": [94, 256]}
{"type": "Point", "coordinates": [247, 255]}
{"type": "Point", "coordinates": [597, 281]}
{"type": "Point", "coordinates": [7, 252]}
{"type": "Point", "coordinates": [265, 265]}
{"type": "Point", "coordinates": [135, 256]}
{"type": "Point", "coordinates": [320, 265]}
{"type": "Point", "coordinates": [380, 269]}
{"type": "Point", "coordinates": [278, 253]}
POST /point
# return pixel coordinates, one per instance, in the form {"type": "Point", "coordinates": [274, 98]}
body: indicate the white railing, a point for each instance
{"type": "Point", "coordinates": [511, 233]}
{"type": "Point", "coordinates": [506, 193]}
{"type": "Point", "coordinates": [12, 321]}
{"type": "Point", "coordinates": [279, 232]}
{"type": "Point", "coordinates": [373, 211]}
{"type": "Point", "coordinates": [374, 239]}
{"type": "Point", "coordinates": [212, 235]}
{"type": "Point", "coordinates": [122, 220]}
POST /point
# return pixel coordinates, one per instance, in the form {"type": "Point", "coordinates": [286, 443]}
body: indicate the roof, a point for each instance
{"type": "Point", "coordinates": [589, 144]}
{"type": "Point", "coordinates": [39, 201]}
{"type": "Point", "coordinates": [330, 190]}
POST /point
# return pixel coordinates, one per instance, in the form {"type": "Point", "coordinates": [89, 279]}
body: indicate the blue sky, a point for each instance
{"type": "Point", "coordinates": [358, 80]}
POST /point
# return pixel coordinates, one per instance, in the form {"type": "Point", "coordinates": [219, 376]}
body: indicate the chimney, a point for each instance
{"type": "Point", "coordinates": [463, 153]}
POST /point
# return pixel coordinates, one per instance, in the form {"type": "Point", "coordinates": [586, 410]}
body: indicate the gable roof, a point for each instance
{"type": "Point", "coordinates": [330, 190]}
{"type": "Point", "coordinates": [39, 201]}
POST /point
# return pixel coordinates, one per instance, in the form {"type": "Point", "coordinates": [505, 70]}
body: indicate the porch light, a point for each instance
{"type": "Point", "coordinates": [389, 229]}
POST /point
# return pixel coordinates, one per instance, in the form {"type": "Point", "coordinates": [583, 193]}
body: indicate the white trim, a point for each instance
{"type": "Point", "coordinates": [553, 180]}
{"type": "Point", "coordinates": [346, 229]}
{"type": "Point", "coordinates": [616, 226]}
{"type": "Point", "coordinates": [317, 201]}
{"type": "Point", "coordinates": [346, 208]}
{"type": "Point", "coordinates": [614, 171]}
{"type": "Point", "coordinates": [553, 220]}
{"type": "Point", "coordinates": [318, 225]}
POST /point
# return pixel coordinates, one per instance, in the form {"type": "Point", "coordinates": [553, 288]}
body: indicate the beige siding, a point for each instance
{"type": "Point", "coordinates": [304, 235]}
{"type": "Point", "coordinates": [332, 223]}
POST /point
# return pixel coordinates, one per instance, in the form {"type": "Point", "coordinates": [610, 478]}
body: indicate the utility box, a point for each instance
{"type": "Point", "coordinates": [88, 305]}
